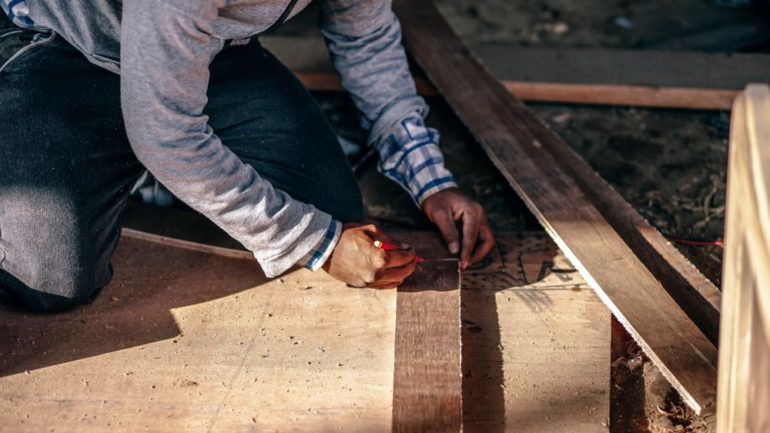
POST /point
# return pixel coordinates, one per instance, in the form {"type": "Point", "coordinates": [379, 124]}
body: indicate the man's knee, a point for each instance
{"type": "Point", "coordinates": [58, 290]}
{"type": "Point", "coordinates": [54, 253]}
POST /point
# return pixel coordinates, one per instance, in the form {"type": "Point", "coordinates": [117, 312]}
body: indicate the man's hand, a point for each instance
{"type": "Point", "coordinates": [357, 262]}
{"type": "Point", "coordinates": [446, 208]}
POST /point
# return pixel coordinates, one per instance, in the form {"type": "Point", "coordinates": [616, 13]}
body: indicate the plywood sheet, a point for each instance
{"type": "Point", "coordinates": [536, 344]}
{"type": "Point", "coordinates": [186, 341]}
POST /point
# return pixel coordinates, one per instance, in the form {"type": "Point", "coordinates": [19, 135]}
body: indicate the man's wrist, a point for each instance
{"type": "Point", "coordinates": [321, 252]}
{"type": "Point", "coordinates": [441, 184]}
{"type": "Point", "coordinates": [411, 157]}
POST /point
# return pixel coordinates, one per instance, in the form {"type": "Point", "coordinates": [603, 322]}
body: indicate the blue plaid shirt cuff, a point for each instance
{"type": "Point", "coordinates": [411, 157]}
{"type": "Point", "coordinates": [317, 256]}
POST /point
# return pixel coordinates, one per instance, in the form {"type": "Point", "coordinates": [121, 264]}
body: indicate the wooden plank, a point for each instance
{"type": "Point", "coordinates": [186, 245]}
{"type": "Point", "coordinates": [535, 340]}
{"type": "Point", "coordinates": [744, 363]}
{"type": "Point", "coordinates": [184, 341]}
{"type": "Point", "coordinates": [650, 78]}
{"type": "Point", "coordinates": [528, 153]}
{"type": "Point", "coordinates": [623, 95]}
{"type": "Point", "coordinates": [427, 389]}
{"type": "Point", "coordinates": [624, 67]}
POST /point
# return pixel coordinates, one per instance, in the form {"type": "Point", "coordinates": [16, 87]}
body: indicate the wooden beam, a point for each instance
{"type": "Point", "coordinates": [646, 68]}
{"type": "Point", "coordinates": [744, 363]}
{"type": "Point", "coordinates": [186, 245]}
{"type": "Point", "coordinates": [533, 160]}
{"type": "Point", "coordinates": [427, 377]}
{"type": "Point", "coordinates": [648, 78]}
{"type": "Point", "coordinates": [586, 94]}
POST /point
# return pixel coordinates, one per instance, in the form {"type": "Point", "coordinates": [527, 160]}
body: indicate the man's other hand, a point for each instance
{"type": "Point", "coordinates": [448, 207]}
{"type": "Point", "coordinates": [357, 262]}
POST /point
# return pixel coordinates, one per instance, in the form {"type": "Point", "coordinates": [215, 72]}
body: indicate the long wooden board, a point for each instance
{"type": "Point", "coordinates": [528, 154]}
{"type": "Point", "coordinates": [427, 377]}
{"type": "Point", "coordinates": [650, 78]}
{"type": "Point", "coordinates": [744, 363]}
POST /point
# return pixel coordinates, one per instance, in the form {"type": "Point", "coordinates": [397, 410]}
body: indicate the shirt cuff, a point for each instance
{"type": "Point", "coordinates": [317, 256]}
{"type": "Point", "coordinates": [410, 156]}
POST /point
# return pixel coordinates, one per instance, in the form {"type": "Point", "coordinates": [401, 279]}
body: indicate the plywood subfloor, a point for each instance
{"type": "Point", "coordinates": [185, 341]}
{"type": "Point", "coordinates": [536, 345]}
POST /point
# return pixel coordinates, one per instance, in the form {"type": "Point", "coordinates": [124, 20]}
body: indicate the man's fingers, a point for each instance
{"type": "Point", "coordinates": [470, 236]}
{"type": "Point", "coordinates": [393, 277]}
{"type": "Point", "coordinates": [487, 243]}
{"type": "Point", "coordinates": [396, 274]}
{"type": "Point", "coordinates": [398, 258]}
{"type": "Point", "coordinates": [385, 285]}
{"type": "Point", "coordinates": [446, 225]}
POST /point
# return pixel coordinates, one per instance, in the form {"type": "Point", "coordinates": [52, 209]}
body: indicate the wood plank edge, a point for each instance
{"type": "Point", "coordinates": [396, 409]}
{"type": "Point", "coordinates": [186, 245]}
{"type": "Point", "coordinates": [686, 396]}
{"type": "Point", "coordinates": [582, 94]}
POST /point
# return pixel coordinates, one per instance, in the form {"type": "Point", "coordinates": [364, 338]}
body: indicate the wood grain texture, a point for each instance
{"type": "Point", "coordinates": [536, 344]}
{"type": "Point", "coordinates": [188, 341]}
{"type": "Point", "coordinates": [744, 363]}
{"type": "Point", "coordinates": [532, 158]}
{"type": "Point", "coordinates": [185, 341]}
{"type": "Point", "coordinates": [650, 78]}
{"type": "Point", "coordinates": [427, 387]}
{"type": "Point", "coordinates": [623, 67]}
{"type": "Point", "coordinates": [185, 244]}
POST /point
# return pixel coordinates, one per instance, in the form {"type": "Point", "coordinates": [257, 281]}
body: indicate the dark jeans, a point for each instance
{"type": "Point", "coordinates": [66, 166]}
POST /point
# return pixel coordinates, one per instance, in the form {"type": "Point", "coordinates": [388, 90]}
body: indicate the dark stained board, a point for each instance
{"type": "Point", "coordinates": [624, 67]}
{"type": "Point", "coordinates": [427, 379]}
{"type": "Point", "coordinates": [535, 162]}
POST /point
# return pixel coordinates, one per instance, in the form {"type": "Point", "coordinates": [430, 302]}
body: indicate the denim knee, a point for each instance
{"type": "Point", "coordinates": [69, 289]}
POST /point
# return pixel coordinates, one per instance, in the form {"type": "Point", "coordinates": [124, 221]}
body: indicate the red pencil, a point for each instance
{"type": "Point", "coordinates": [390, 247]}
